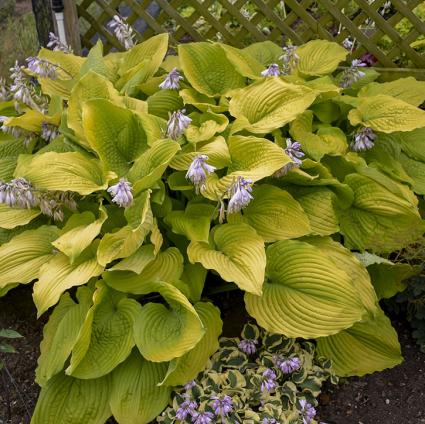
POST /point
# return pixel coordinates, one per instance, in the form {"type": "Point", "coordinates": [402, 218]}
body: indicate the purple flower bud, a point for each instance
{"type": "Point", "coordinates": [186, 408]}
{"type": "Point", "coordinates": [248, 346]}
{"type": "Point", "coordinates": [121, 192]}
{"type": "Point", "coordinates": [42, 67]}
{"type": "Point", "coordinates": [239, 195]}
{"type": "Point", "coordinates": [57, 45]}
{"type": "Point", "coordinates": [123, 31]}
{"type": "Point", "coordinates": [269, 421]}
{"type": "Point", "coordinates": [363, 140]}
{"type": "Point", "coordinates": [190, 385]}
{"type": "Point", "coordinates": [348, 43]}
{"type": "Point", "coordinates": [269, 380]}
{"type": "Point", "coordinates": [222, 407]}
{"type": "Point", "coordinates": [197, 172]}
{"type": "Point", "coordinates": [287, 366]}
{"type": "Point", "coordinates": [202, 418]}
{"type": "Point", "coordinates": [172, 80]}
{"type": "Point", "coordinates": [293, 150]}
{"type": "Point", "coordinates": [289, 59]}
{"type": "Point", "coordinates": [308, 412]}
{"type": "Point", "coordinates": [352, 74]}
{"type": "Point", "coordinates": [48, 131]}
{"type": "Point", "coordinates": [177, 124]}
{"type": "Point", "coordinates": [271, 71]}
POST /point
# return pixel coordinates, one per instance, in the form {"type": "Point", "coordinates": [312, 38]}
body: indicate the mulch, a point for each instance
{"type": "Point", "coordinates": [395, 396]}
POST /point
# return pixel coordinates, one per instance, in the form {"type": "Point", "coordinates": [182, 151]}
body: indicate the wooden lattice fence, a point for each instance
{"type": "Point", "coordinates": [392, 31]}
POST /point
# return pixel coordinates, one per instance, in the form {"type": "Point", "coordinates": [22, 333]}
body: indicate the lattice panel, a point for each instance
{"type": "Point", "coordinates": [390, 30]}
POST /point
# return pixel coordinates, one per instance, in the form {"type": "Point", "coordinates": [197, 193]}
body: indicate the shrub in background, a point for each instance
{"type": "Point", "coordinates": [138, 179]}
{"type": "Point", "coordinates": [261, 378]}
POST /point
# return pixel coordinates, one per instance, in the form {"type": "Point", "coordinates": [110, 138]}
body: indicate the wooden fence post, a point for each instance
{"type": "Point", "coordinates": [72, 29]}
{"type": "Point", "coordinates": [43, 20]}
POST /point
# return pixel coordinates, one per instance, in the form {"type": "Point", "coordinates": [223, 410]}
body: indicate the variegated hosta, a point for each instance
{"type": "Point", "coordinates": [148, 178]}
{"type": "Point", "coordinates": [261, 377]}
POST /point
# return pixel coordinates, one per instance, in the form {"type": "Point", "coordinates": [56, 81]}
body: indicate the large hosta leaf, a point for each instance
{"type": "Point", "coordinates": [264, 106]}
{"type": "Point", "coordinates": [319, 57]}
{"type": "Point", "coordinates": [166, 266]}
{"type": "Point", "coordinates": [205, 125]}
{"type": "Point", "coordinates": [136, 397]}
{"type": "Point", "coordinates": [186, 368]}
{"type": "Point", "coordinates": [274, 214]}
{"type": "Point", "coordinates": [128, 239]}
{"type": "Point", "coordinates": [14, 217]}
{"type": "Point", "coordinates": [73, 401]}
{"type": "Point", "coordinates": [106, 338]}
{"type": "Point", "coordinates": [118, 135]}
{"type": "Point", "coordinates": [368, 346]}
{"type": "Point", "coordinates": [58, 275]}
{"type": "Point", "coordinates": [150, 166]}
{"type": "Point", "coordinates": [307, 294]}
{"type": "Point", "coordinates": [379, 219]}
{"type": "Point", "coordinates": [353, 267]}
{"type": "Point", "coordinates": [70, 171]}
{"type": "Point", "coordinates": [319, 205]}
{"type": "Point", "coordinates": [208, 70]}
{"type": "Point", "coordinates": [61, 333]}
{"type": "Point", "coordinates": [216, 149]}
{"type": "Point", "coordinates": [162, 333]}
{"type": "Point", "coordinates": [251, 157]}
{"type": "Point", "coordinates": [387, 114]}
{"type": "Point", "coordinates": [416, 170]}
{"type": "Point", "coordinates": [193, 223]}
{"type": "Point", "coordinates": [388, 278]}
{"type": "Point", "coordinates": [23, 256]}
{"type": "Point", "coordinates": [90, 86]}
{"type": "Point", "coordinates": [407, 89]}
{"type": "Point", "coordinates": [73, 242]}
{"type": "Point", "coordinates": [265, 52]}
{"type": "Point", "coordinates": [236, 252]}
{"type": "Point", "coordinates": [244, 62]}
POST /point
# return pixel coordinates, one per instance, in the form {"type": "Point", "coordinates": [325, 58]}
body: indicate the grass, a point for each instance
{"type": "Point", "coordinates": [18, 39]}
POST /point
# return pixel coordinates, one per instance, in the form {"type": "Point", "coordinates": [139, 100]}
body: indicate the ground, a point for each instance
{"type": "Point", "coordinates": [395, 396]}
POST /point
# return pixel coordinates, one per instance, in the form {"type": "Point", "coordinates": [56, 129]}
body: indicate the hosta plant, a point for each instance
{"type": "Point", "coordinates": [134, 183]}
{"type": "Point", "coordinates": [260, 378]}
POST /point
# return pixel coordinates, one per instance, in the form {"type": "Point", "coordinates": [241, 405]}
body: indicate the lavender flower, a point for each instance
{"type": "Point", "coordinates": [269, 421]}
{"type": "Point", "coordinates": [287, 366]}
{"type": "Point", "coordinates": [123, 31]}
{"type": "Point", "coordinates": [348, 43]}
{"type": "Point", "coordinates": [308, 412]}
{"type": "Point", "coordinates": [363, 140]}
{"type": "Point", "coordinates": [240, 195]}
{"type": "Point", "coordinates": [352, 74]}
{"type": "Point", "coordinates": [202, 418]}
{"type": "Point", "coordinates": [197, 172]}
{"type": "Point", "coordinates": [293, 150]}
{"type": "Point", "coordinates": [21, 89]}
{"type": "Point", "coordinates": [48, 131]}
{"type": "Point", "coordinates": [290, 59]}
{"type": "Point", "coordinates": [121, 192]}
{"type": "Point", "coordinates": [177, 124]}
{"type": "Point", "coordinates": [186, 408]}
{"type": "Point", "coordinates": [18, 193]}
{"type": "Point", "coordinates": [172, 80]}
{"type": "Point", "coordinates": [222, 407]}
{"type": "Point", "coordinates": [42, 67]}
{"type": "Point", "coordinates": [271, 71]}
{"type": "Point", "coordinates": [15, 131]}
{"type": "Point", "coordinates": [269, 380]}
{"type": "Point", "coordinates": [190, 385]}
{"type": "Point", "coordinates": [248, 346]}
{"type": "Point", "coordinates": [57, 45]}
{"type": "Point", "coordinates": [50, 206]}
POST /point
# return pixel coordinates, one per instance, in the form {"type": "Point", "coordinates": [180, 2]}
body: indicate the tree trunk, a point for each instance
{"type": "Point", "coordinates": [43, 20]}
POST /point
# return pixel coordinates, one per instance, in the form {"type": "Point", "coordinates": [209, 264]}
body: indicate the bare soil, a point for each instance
{"type": "Point", "coordinates": [395, 396]}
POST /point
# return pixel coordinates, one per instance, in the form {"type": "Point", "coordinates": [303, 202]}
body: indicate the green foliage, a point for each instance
{"type": "Point", "coordinates": [6, 347]}
{"type": "Point", "coordinates": [140, 215]}
{"type": "Point", "coordinates": [235, 378]}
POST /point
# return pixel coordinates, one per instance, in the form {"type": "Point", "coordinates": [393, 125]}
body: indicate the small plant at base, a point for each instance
{"type": "Point", "coordinates": [237, 386]}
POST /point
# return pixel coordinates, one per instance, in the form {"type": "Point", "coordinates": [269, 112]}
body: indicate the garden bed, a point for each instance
{"type": "Point", "coordinates": [394, 396]}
